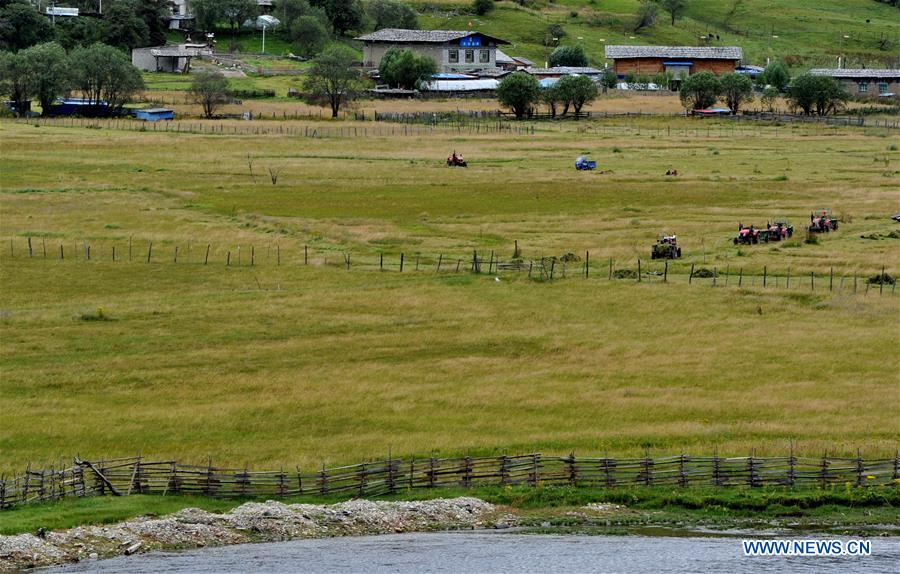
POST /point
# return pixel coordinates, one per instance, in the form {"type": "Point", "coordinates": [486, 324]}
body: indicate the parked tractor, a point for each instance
{"type": "Point", "coordinates": [666, 248]}
{"type": "Point", "coordinates": [822, 223]}
{"type": "Point", "coordinates": [746, 235]}
{"type": "Point", "coordinates": [584, 164]}
{"type": "Point", "coordinates": [778, 230]}
{"type": "Point", "coordinates": [456, 160]}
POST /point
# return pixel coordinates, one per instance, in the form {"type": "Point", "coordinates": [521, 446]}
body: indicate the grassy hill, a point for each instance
{"type": "Point", "coordinates": [804, 33]}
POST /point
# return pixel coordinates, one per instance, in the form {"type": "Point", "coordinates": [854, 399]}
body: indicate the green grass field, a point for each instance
{"type": "Point", "coordinates": [311, 364]}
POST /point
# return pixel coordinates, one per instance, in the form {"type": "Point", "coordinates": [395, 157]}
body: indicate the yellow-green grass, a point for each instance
{"type": "Point", "coordinates": [314, 364]}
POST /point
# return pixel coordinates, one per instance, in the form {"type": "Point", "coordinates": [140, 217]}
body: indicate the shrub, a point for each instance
{"type": "Point", "coordinates": [568, 56]}
{"type": "Point", "coordinates": [482, 7]}
{"type": "Point", "coordinates": [703, 273]}
{"type": "Point", "coordinates": [881, 279]}
{"type": "Point", "coordinates": [625, 274]}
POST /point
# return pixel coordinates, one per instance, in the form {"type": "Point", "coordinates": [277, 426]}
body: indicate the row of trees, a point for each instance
{"type": "Point", "coordinates": [520, 92]}
{"type": "Point", "coordinates": [45, 72]}
{"type": "Point", "coordinates": [125, 24]}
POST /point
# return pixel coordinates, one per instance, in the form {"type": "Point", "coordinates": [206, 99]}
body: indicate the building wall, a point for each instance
{"type": "Point", "coordinates": [440, 53]}
{"type": "Point", "coordinates": [853, 86]}
{"type": "Point", "coordinates": [650, 66]}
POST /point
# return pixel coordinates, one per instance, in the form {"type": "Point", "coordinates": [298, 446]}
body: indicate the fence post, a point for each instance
{"type": "Point", "coordinates": [306, 254]}
{"type": "Point", "coordinates": [896, 474]}
{"type": "Point", "coordinates": [129, 247]}
{"type": "Point", "coordinates": [717, 469]}
{"type": "Point", "coordinates": [534, 475]}
{"type": "Point", "coordinates": [647, 469]}
{"type": "Point", "coordinates": [504, 469]}
{"type": "Point", "coordinates": [831, 279]}
{"type": "Point", "coordinates": [432, 468]}
{"type": "Point", "coordinates": [741, 277]}
{"type": "Point", "coordinates": [823, 472]}
{"type": "Point", "coordinates": [440, 260]}
{"type": "Point", "coordinates": [30, 253]}
{"type": "Point", "coordinates": [792, 467]}
{"type": "Point", "coordinates": [860, 469]}
{"type": "Point", "coordinates": [206, 258]}
{"type": "Point", "coordinates": [881, 282]}
{"type": "Point", "coordinates": [639, 269]}
{"type": "Point", "coordinates": [789, 278]}
{"type": "Point", "coordinates": [62, 255]}
{"type": "Point", "coordinates": [149, 251]}
{"type": "Point", "coordinates": [691, 276]}
{"type": "Point", "coordinates": [323, 480]}
{"type": "Point", "coordinates": [610, 268]}
{"type": "Point", "coordinates": [752, 472]}
{"type": "Point", "coordinates": [401, 263]}
{"type": "Point", "coordinates": [176, 255]}
{"type": "Point", "coordinates": [715, 275]}
{"type": "Point", "coordinates": [277, 254]}
{"type": "Point", "coordinates": [765, 275]}
{"type": "Point", "coordinates": [682, 471]}
{"type": "Point", "coordinates": [228, 259]}
{"type": "Point", "coordinates": [812, 281]}
{"type": "Point", "coordinates": [572, 469]}
{"type": "Point", "coordinates": [666, 272]}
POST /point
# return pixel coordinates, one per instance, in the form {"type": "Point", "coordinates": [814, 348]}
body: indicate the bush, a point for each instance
{"type": "Point", "coordinates": [309, 36]}
{"type": "Point", "coordinates": [704, 273]}
{"type": "Point", "coordinates": [881, 279]}
{"type": "Point", "coordinates": [482, 7]}
{"type": "Point", "coordinates": [568, 56]}
{"type": "Point", "coordinates": [625, 274]}
{"type": "Point", "coordinates": [392, 14]}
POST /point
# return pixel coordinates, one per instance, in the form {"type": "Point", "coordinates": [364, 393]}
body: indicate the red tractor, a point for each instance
{"type": "Point", "coordinates": [822, 223]}
{"type": "Point", "coordinates": [778, 230]}
{"type": "Point", "coordinates": [666, 248]}
{"type": "Point", "coordinates": [456, 160]}
{"type": "Point", "coordinates": [746, 235]}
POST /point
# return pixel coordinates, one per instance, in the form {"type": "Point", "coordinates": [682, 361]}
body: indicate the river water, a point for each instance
{"type": "Point", "coordinates": [492, 552]}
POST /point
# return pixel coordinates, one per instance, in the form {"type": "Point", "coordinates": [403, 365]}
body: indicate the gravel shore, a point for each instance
{"type": "Point", "coordinates": [251, 522]}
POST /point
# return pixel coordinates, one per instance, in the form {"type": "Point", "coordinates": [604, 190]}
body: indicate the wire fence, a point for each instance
{"type": "Point", "coordinates": [586, 266]}
{"type": "Point", "coordinates": [135, 475]}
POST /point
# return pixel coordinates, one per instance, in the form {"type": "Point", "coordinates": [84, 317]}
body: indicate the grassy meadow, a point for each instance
{"type": "Point", "coordinates": [311, 364]}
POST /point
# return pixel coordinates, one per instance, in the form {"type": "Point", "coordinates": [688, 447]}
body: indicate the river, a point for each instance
{"type": "Point", "coordinates": [492, 552]}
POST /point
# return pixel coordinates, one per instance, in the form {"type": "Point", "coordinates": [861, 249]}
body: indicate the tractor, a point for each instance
{"type": "Point", "coordinates": [746, 235]}
{"type": "Point", "coordinates": [777, 231]}
{"type": "Point", "coordinates": [666, 248]}
{"type": "Point", "coordinates": [822, 223]}
{"type": "Point", "coordinates": [584, 164]}
{"type": "Point", "coordinates": [456, 160]}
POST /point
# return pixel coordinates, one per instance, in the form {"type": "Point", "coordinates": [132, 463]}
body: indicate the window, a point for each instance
{"type": "Point", "coordinates": [453, 57]}
{"type": "Point", "coordinates": [484, 56]}
{"type": "Point", "coordinates": [470, 56]}
{"type": "Point", "coordinates": [882, 88]}
{"type": "Point", "coordinates": [863, 87]}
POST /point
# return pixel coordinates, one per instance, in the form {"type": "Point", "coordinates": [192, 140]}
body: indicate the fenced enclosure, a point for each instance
{"type": "Point", "coordinates": [135, 475]}
{"type": "Point", "coordinates": [586, 266]}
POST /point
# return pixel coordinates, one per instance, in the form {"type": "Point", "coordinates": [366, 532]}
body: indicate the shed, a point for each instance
{"type": "Point", "coordinates": [154, 114]}
{"type": "Point", "coordinates": [680, 61]}
{"type": "Point", "coordinates": [168, 58]}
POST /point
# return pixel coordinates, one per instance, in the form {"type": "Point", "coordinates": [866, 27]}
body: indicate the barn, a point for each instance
{"type": "Point", "coordinates": [679, 61]}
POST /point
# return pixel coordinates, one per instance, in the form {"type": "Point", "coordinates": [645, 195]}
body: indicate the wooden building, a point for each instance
{"type": "Point", "coordinates": [865, 83]}
{"type": "Point", "coordinates": [679, 61]}
{"type": "Point", "coordinates": [452, 50]}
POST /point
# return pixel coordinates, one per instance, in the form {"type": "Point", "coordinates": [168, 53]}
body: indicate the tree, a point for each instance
{"type": "Point", "coordinates": [47, 67]}
{"type": "Point", "coordinates": [406, 69]}
{"type": "Point", "coordinates": [674, 8]}
{"type": "Point", "coordinates": [124, 28]}
{"type": "Point", "coordinates": [14, 81]}
{"type": "Point", "coordinates": [343, 14]}
{"type": "Point", "coordinates": [392, 14]}
{"type": "Point", "coordinates": [21, 25]}
{"type": "Point", "coordinates": [572, 55]}
{"type": "Point", "coordinates": [699, 91]}
{"type": "Point", "coordinates": [646, 15]}
{"type": "Point", "coordinates": [332, 79]}
{"type": "Point", "coordinates": [609, 79]}
{"type": "Point", "coordinates": [735, 89]}
{"type": "Point", "coordinates": [553, 34]}
{"type": "Point", "coordinates": [769, 97]}
{"type": "Point", "coordinates": [577, 91]}
{"type": "Point", "coordinates": [552, 98]}
{"type": "Point", "coordinates": [206, 13]}
{"type": "Point", "coordinates": [155, 13]}
{"type": "Point", "coordinates": [105, 74]}
{"type": "Point", "coordinates": [822, 94]}
{"type": "Point", "coordinates": [776, 74]}
{"type": "Point", "coordinates": [209, 88]}
{"type": "Point", "coordinates": [73, 32]}
{"type": "Point", "coordinates": [309, 35]}
{"type": "Point", "coordinates": [236, 12]}
{"type": "Point", "coordinates": [482, 7]}
{"type": "Point", "coordinates": [519, 91]}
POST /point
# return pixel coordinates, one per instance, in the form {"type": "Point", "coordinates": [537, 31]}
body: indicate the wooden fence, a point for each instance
{"type": "Point", "coordinates": [590, 265]}
{"type": "Point", "coordinates": [135, 475]}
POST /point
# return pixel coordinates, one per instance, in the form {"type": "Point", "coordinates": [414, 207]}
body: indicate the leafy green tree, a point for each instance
{"type": "Point", "coordinates": [343, 14]}
{"type": "Point", "coordinates": [392, 14]}
{"type": "Point", "coordinates": [104, 73]}
{"type": "Point", "coordinates": [309, 36]}
{"type": "Point", "coordinates": [553, 34]}
{"type": "Point", "coordinates": [236, 12]}
{"type": "Point", "coordinates": [209, 88]}
{"type": "Point", "coordinates": [519, 91]}
{"type": "Point", "coordinates": [699, 91]}
{"type": "Point", "coordinates": [482, 7]}
{"type": "Point", "coordinates": [572, 55]}
{"type": "Point", "coordinates": [646, 15]}
{"type": "Point", "coordinates": [776, 74]}
{"type": "Point", "coordinates": [21, 25]}
{"type": "Point", "coordinates": [577, 91]}
{"type": "Point", "coordinates": [662, 80]}
{"type": "Point", "coordinates": [124, 29]}
{"type": "Point", "coordinates": [47, 67]}
{"type": "Point", "coordinates": [333, 79]}
{"type": "Point", "coordinates": [609, 79]}
{"type": "Point", "coordinates": [735, 89]}
{"type": "Point", "coordinates": [73, 32]}
{"type": "Point", "coordinates": [290, 10]}
{"type": "Point", "coordinates": [769, 97]}
{"type": "Point", "coordinates": [206, 13]}
{"type": "Point", "coordinates": [820, 94]}
{"type": "Point", "coordinates": [155, 13]}
{"type": "Point", "coordinates": [674, 8]}
{"type": "Point", "coordinates": [551, 97]}
{"type": "Point", "coordinates": [406, 69]}
{"type": "Point", "coordinates": [14, 81]}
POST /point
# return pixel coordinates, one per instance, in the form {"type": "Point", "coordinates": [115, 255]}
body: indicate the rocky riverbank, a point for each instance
{"type": "Point", "coordinates": [251, 522]}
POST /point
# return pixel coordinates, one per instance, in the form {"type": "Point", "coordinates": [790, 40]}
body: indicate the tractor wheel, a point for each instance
{"type": "Point", "coordinates": [677, 252]}
{"type": "Point", "coordinates": [735, 241]}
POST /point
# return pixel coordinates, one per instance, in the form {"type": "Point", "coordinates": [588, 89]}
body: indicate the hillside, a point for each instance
{"type": "Point", "coordinates": [804, 33]}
